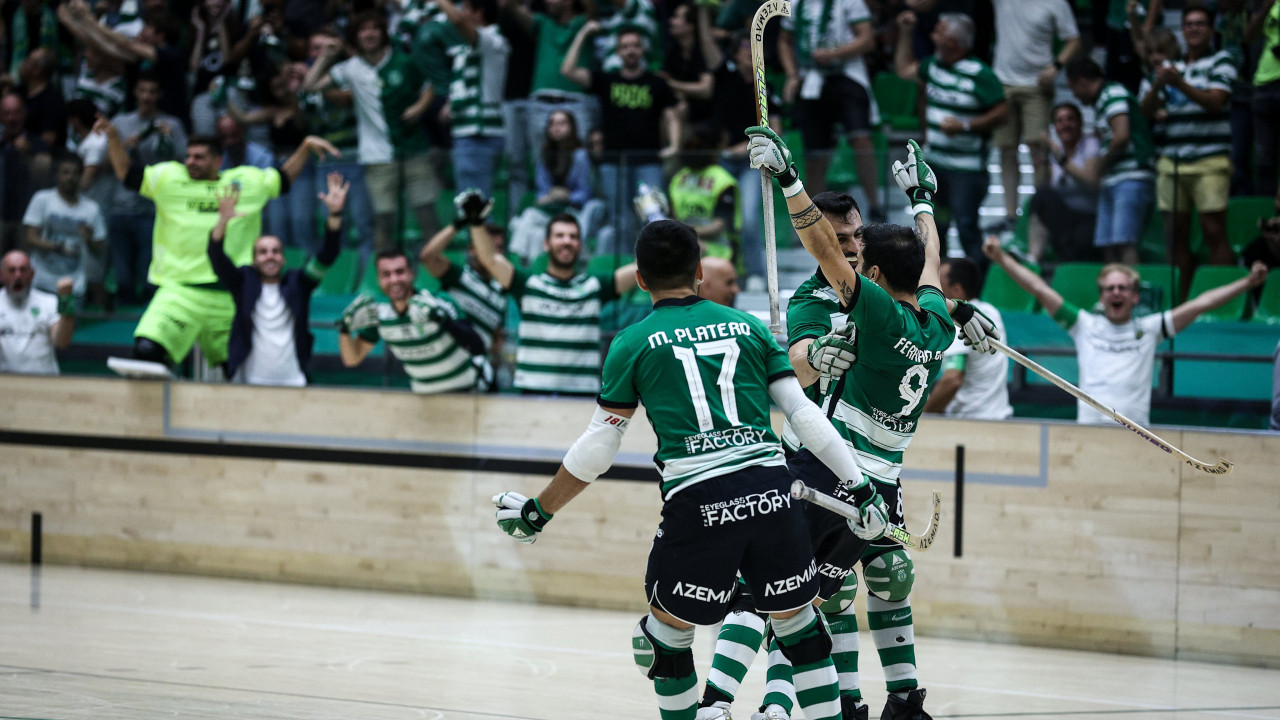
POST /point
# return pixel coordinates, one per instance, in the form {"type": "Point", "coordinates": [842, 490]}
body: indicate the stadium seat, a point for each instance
{"type": "Point", "coordinates": [1208, 277]}
{"type": "Point", "coordinates": [341, 278]}
{"type": "Point", "coordinates": [1268, 310]}
{"type": "Point", "coordinates": [897, 101]}
{"type": "Point", "coordinates": [1242, 219]}
{"type": "Point", "coordinates": [1000, 290]}
{"type": "Point", "coordinates": [1162, 280]}
{"type": "Point", "coordinates": [1077, 283]}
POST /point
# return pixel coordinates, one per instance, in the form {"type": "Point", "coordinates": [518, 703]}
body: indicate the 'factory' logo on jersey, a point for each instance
{"type": "Point", "coordinates": [722, 439]}
{"type": "Point", "coordinates": [743, 508]}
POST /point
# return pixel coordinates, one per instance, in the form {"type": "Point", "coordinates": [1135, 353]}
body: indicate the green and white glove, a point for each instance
{"type": "Point", "coordinates": [976, 327]}
{"type": "Point", "coordinates": [873, 513]}
{"type": "Point", "coordinates": [834, 353]}
{"type": "Point", "coordinates": [520, 517]}
{"type": "Point", "coordinates": [424, 308]}
{"type": "Point", "coordinates": [766, 151]}
{"type": "Point", "coordinates": [361, 314]}
{"type": "Point", "coordinates": [916, 179]}
{"type": "Point", "coordinates": [471, 208]}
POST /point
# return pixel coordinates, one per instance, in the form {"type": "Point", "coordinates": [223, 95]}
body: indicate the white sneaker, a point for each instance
{"type": "Point", "coordinates": [715, 711]}
{"type": "Point", "coordinates": [771, 712]}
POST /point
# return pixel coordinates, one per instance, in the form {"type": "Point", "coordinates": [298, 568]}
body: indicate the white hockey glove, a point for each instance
{"type": "Point", "coordinates": [520, 517]}
{"type": "Point", "coordinates": [834, 353]}
{"type": "Point", "coordinates": [874, 514]}
{"type": "Point", "coordinates": [916, 179]}
{"type": "Point", "coordinates": [424, 308]}
{"type": "Point", "coordinates": [361, 314]}
{"type": "Point", "coordinates": [975, 326]}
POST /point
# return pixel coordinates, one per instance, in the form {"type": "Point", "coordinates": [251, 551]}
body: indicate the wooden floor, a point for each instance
{"type": "Point", "coordinates": [79, 643]}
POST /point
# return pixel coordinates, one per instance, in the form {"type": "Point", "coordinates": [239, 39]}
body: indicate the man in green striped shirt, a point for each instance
{"type": "Point", "coordinates": [965, 103]}
{"type": "Point", "coordinates": [559, 335]}
{"type": "Point", "coordinates": [1123, 171]}
{"type": "Point", "coordinates": [427, 333]}
{"type": "Point", "coordinates": [1194, 170]}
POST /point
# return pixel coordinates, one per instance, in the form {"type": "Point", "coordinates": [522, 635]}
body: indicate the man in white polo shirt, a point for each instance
{"type": "Point", "coordinates": [973, 384]}
{"type": "Point", "coordinates": [32, 322]}
{"type": "Point", "coordinates": [1116, 351]}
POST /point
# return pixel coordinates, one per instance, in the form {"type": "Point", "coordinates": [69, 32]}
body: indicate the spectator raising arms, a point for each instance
{"type": "Point", "coordinates": [32, 322]}
{"type": "Point", "coordinates": [270, 342]}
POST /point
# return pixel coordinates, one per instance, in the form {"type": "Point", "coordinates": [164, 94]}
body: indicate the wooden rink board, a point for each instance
{"type": "Point", "coordinates": [1080, 537]}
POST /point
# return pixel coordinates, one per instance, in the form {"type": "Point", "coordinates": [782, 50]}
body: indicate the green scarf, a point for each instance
{"type": "Point", "coordinates": [809, 37]}
{"type": "Point", "coordinates": [48, 35]}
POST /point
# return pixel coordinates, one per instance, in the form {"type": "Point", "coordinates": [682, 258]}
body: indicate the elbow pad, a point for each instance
{"type": "Point", "coordinates": [596, 448]}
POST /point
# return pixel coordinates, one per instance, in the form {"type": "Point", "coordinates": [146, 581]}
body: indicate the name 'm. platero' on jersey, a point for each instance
{"type": "Point", "coordinates": [702, 371]}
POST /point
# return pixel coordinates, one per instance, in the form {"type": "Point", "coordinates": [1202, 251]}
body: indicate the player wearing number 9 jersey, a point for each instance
{"type": "Point", "coordinates": [705, 374]}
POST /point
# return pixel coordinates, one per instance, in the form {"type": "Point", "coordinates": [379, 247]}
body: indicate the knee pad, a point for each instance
{"type": "Point", "coordinates": [810, 647]}
{"type": "Point", "coordinates": [843, 598]}
{"type": "Point", "coordinates": [144, 348]}
{"type": "Point", "coordinates": [890, 576]}
{"type": "Point", "coordinates": [655, 659]}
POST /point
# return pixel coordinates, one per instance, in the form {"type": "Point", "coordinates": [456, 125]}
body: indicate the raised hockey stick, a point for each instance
{"type": "Point", "coordinates": [920, 541]}
{"type": "Point", "coordinates": [762, 16]}
{"type": "Point", "coordinates": [1222, 468]}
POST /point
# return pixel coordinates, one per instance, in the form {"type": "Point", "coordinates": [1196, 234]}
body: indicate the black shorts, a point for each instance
{"type": "Point", "coordinates": [836, 549]}
{"type": "Point", "coordinates": [843, 102]}
{"type": "Point", "coordinates": [744, 522]}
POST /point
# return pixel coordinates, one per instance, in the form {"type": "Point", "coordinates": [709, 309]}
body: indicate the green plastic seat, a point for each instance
{"type": "Point", "coordinates": [1000, 290]}
{"type": "Point", "coordinates": [1163, 281]}
{"type": "Point", "coordinates": [1268, 310]}
{"type": "Point", "coordinates": [1208, 277]}
{"type": "Point", "coordinates": [1242, 218]}
{"type": "Point", "coordinates": [897, 101]}
{"type": "Point", "coordinates": [341, 277]}
{"type": "Point", "coordinates": [1077, 283]}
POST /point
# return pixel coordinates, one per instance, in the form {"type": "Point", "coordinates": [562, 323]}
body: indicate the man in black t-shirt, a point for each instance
{"type": "Point", "coordinates": [635, 107]}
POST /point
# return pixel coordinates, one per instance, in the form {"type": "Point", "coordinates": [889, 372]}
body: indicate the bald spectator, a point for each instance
{"type": "Point", "coordinates": [32, 322]}
{"type": "Point", "coordinates": [26, 159]}
{"type": "Point", "coordinates": [719, 281]}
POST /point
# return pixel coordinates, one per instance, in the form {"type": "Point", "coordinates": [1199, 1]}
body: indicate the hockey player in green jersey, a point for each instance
{"type": "Point", "coordinates": [899, 326]}
{"type": "Point", "coordinates": [705, 374]}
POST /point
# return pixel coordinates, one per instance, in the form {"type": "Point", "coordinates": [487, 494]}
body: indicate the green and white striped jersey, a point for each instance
{"type": "Point", "coordinates": [477, 79]}
{"type": "Point", "coordinates": [900, 352]}
{"type": "Point", "coordinates": [702, 371]}
{"type": "Point", "coordinates": [413, 15]}
{"type": "Point", "coordinates": [812, 312]}
{"type": "Point", "coordinates": [965, 90]}
{"type": "Point", "coordinates": [483, 301]}
{"type": "Point", "coordinates": [638, 15]}
{"type": "Point", "coordinates": [1191, 131]}
{"type": "Point", "coordinates": [1135, 162]}
{"type": "Point", "coordinates": [559, 333]}
{"type": "Point", "coordinates": [433, 360]}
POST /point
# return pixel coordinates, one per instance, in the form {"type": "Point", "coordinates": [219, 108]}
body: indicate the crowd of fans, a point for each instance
{"type": "Point", "coordinates": [593, 116]}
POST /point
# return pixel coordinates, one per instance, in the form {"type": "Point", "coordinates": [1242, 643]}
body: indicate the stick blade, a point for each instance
{"type": "Point", "coordinates": [1223, 467]}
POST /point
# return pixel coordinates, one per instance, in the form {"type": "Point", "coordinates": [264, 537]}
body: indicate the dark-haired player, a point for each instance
{"type": "Point", "coordinates": [705, 374]}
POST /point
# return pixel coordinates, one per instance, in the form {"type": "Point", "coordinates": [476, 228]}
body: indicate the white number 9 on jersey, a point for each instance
{"type": "Point", "coordinates": [913, 395]}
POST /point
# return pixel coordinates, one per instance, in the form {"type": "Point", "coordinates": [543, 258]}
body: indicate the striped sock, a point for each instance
{"type": "Point", "coordinates": [895, 639]}
{"type": "Point", "coordinates": [677, 697]}
{"type": "Point", "coordinates": [736, 647]}
{"type": "Point", "coordinates": [844, 649]}
{"type": "Point", "coordinates": [778, 689]}
{"type": "Point", "coordinates": [816, 683]}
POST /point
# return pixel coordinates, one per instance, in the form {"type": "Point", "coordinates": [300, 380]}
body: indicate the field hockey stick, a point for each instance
{"type": "Point", "coordinates": [920, 541]}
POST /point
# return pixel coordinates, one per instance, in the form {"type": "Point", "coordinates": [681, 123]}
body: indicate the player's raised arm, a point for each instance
{"type": "Point", "coordinates": [768, 152]}
{"type": "Point", "coordinates": [917, 180]}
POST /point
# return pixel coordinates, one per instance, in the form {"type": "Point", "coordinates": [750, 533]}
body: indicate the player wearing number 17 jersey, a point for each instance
{"type": "Point", "coordinates": [705, 374]}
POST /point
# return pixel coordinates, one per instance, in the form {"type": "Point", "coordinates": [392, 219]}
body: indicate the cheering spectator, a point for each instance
{"type": "Point", "coordinates": [270, 342]}
{"type": "Point", "coordinates": [966, 102]}
{"type": "Point", "coordinates": [1193, 97]}
{"type": "Point", "coordinates": [719, 281]}
{"type": "Point", "coordinates": [426, 332]}
{"type": "Point", "coordinates": [618, 17]}
{"type": "Point", "coordinates": [476, 52]}
{"type": "Point", "coordinates": [1064, 208]}
{"type": "Point", "coordinates": [219, 45]}
{"type": "Point", "coordinates": [685, 69]}
{"type": "Point", "coordinates": [32, 322]}
{"type": "Point", "coordinates": [636, 105]}
{"type": "Point", "coordinates": [391, 93]}
{"type": "Point", "coordinates": [1266, 94]}
{"type": "Point", "coordinates": [1123, 171]}
{"type": "Point", "coordinates": [1024, 62]}
{"type": "Point", "coordinates": [821, 49]}
{"type": "Point", "coordinates": [151, 137]}
{"type": "Point", "coordinates": [63, 229]}
{"type": "Point", "coordinates": [563, 184]}
{"type": "Point", "coordinates": [24, 161]}
{"type": "Point", "coordinates": [1115, 351]}
{"type": "Point", "coordinates": [559, 341]}
{"type": "Point", "coordinates": [46, 111]}
{"type": "Point", "coordinates": [972, 384]}
{"type": "Point", "coordinates": [31, 26]}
